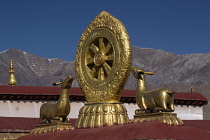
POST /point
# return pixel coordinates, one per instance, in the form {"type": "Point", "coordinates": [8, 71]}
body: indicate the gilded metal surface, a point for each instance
{"type": "Point", "coordinates": [57, 112]}
{"type": "Point", "coordinates": [152, 101]}
{"type": "Point", "coordinates": [12, 79]}
{"type": "Point", "coordinates": [155, 105]}
{"type": "Point", "coordinates": [103, 59]}
{"type": "Point", "coordinates": [98, 115]}
{"type": "Point", "coordinates": [103, 62]}
{"type": "Point", "coordinates": [12, 135]}
{"type": "Point", "coordinates": [191, 89]}
{"type": "Point", "coordinates": [164, 117]}
{"type": "Point", "coordinates": [52, 127]}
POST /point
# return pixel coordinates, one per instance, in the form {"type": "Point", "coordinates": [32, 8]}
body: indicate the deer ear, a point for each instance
{"type": "Point", "coordinates": [149, 73]}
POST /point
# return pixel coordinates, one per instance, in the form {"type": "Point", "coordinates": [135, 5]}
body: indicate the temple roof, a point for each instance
{"type": "Point", "coordinates": [17, 124]}
{"type": "Point", "coordinates": [193, 129]}
{"type": "Point", "coordinates": [37, 93]}
{"type": "Point", "coordinates": [20, 124]}
{"type": "Point", "coordinates": [143, 130]}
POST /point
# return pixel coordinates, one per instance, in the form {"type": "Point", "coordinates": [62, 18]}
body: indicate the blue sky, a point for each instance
{"type": "Point", "coordinates": [52, 28]}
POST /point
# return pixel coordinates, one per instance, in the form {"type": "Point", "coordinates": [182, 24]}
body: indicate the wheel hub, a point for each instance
{"type": "Point", "coordinates": [98, 58]}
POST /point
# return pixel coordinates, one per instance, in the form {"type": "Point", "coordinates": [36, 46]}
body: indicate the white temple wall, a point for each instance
{"type": "Point", "coordinates": [32, 109]}
{"type": "Point", "coordinates": [130, 109]}
{"type": "Point", "coordinates": [189, 112]}
{"type": "Point", "coordinates": [75, 107]}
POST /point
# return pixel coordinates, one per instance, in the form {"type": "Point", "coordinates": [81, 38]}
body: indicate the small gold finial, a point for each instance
{"type": "Point", "coordinates": [191, 89]}
{"type": "Point", "coordinates": [12, 80]}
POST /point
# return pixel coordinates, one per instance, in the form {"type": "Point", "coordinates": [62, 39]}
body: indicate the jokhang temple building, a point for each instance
{"type": "Point", "coordinates": [101, 114]}
{"type": "Point", "coordinates": [20, 106]}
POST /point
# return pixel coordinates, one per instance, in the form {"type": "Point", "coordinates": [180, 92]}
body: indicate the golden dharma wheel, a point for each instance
{"type": "Point", "coordinates": [103, 59]}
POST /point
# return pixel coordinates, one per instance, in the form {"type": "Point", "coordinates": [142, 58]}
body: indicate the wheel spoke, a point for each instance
{"type": "Point", "coordinates": [89, 61]}
{"type": "Point", "coordinates": [89, 71]}
{"type": "Point", "coordinates": [101, 74]}
{"type": "Point", "coordinates": [107, 68]}
{"type": "Point", "coordinates": [92, 72]}
{"type": "Point", "coordinates": [108, 47]}
{"type": "Point", "coordinates": [110, 57]}
{"type": "Point", "coordinates": [100, 71]}
{"type": "Point", "coordinates": [101, 44]}
{"type": "Point", "coordinates": [94, 48]}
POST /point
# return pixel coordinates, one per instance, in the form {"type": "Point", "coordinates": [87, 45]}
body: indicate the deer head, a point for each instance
{"type": "Point", "coordinates": [139, 73]}
{"type": "Point", "coordinates": [66, 84]}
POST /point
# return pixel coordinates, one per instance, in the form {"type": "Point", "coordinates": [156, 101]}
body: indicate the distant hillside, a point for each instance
{"type": "Point", "coordinates": [32, 70]}
{"type": "Point", "coordinates": [176, 72]}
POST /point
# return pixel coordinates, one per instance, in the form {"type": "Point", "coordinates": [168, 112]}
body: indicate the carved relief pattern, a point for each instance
{"type": "Point", "coordinates": [52, 127]}
{"type": "Point", "coordinates": [99, 115]}
{"type": "Point", "coordinates": [164, 117]}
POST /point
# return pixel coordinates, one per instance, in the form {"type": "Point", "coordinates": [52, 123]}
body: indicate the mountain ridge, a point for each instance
{"type": "Point", "coordinates": [145, 58]}
{"type": "Point", "coordinates": [172, 71]}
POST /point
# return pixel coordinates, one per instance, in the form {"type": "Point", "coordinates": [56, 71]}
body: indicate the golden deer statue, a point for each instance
{"type": "Point", "coordinates": [50, 112]}
{"type": "Point", "coordinates": [155, 100]}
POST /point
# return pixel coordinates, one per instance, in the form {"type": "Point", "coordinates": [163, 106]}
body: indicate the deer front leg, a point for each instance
{"type": "Point", "coordinates": [144, 105]}
{"type": "Point", "coordinates": [171, 107]}
{"type": "Point", "coordinates": [162, 106]}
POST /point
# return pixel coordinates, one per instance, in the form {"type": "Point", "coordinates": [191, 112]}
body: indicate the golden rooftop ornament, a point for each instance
{"type": "Point", "coordinates": [102, 65]}
{"type": "Point", "coordinates": [155, 105]}
{"type": "Point", "coordinates": [191, 89]}
{"type": "Point", "coordinates": [53, 116]}
{"type": "Point", "coordinates": [103, 59]}
{"type": "Point", "coordinates": [155, 100]}
{"type": "Point", "coordinates": [12, 80]}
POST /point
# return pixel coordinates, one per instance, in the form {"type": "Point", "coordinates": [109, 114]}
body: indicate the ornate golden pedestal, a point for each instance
{"type": "Point", "coordinates": [101, 114]}
{"type": "Point", "coordinates": [51, 127]}
{"type": "Point", "coordinates": [165, 117]}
